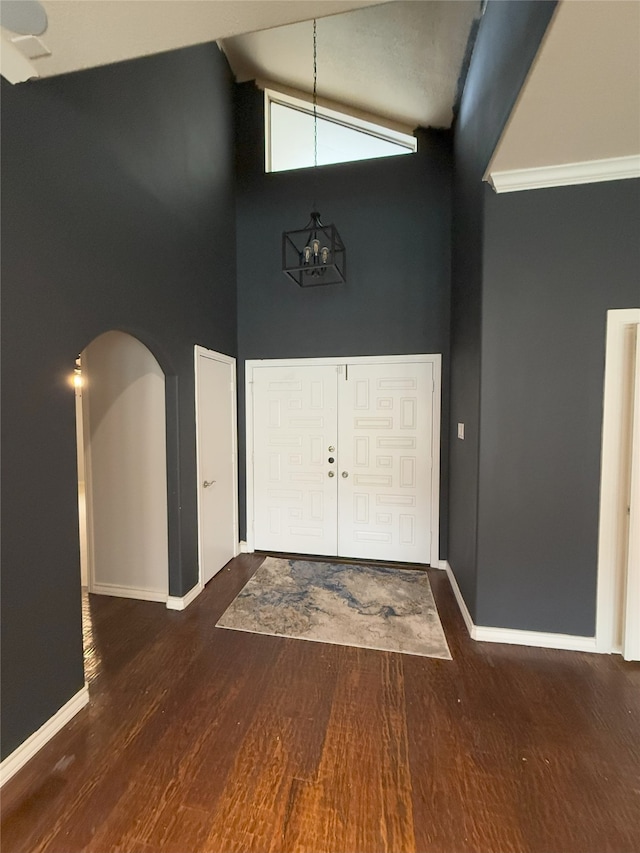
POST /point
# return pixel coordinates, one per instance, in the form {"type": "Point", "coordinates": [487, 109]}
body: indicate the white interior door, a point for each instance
{"type": "Point", "coordinates": [294, 439]}
{"type": "Point", "coordinates": [217, 461]}
{"type": "Point", "coordinates": [385, 447]}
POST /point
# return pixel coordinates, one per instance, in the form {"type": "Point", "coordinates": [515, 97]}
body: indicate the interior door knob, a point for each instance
{"type": "Point", "coordinates": [331, 448]}
{"type": "Point", "coordinates": [208, 483]}
{"type": "Point", "coordinates": [345, 473]}
{"type": "Point", "coordinates": [331, 474]}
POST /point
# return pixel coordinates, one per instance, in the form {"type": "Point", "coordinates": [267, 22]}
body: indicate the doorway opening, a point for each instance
{"type": "Point", "coordinates": [618, 601]}
{"type": "Point", "coordinates": [122, 469]}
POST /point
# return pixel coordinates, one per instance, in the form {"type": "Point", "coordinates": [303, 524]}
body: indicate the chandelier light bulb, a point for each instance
{"type": "Point", "coordinates": [324, 254]}
{"type": "Point", "coordinates": [306, 254]}
{"type": "Point", "coordinates": [315, 243]}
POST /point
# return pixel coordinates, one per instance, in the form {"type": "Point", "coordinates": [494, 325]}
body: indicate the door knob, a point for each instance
{"type": "Point", "coordinates": [208, 483]}
{"type": "Point", "coordinates": [331, 474]}
{"type": "Point", "coordinates": [331, 448]}
{"type": "Point", "coordinates": [345, 473]}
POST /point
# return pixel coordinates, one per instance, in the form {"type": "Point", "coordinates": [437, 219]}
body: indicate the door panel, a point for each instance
{"type": "Point", "coordinates": [295, 424]}
{"type": "Point", "coordinates": [217, 498]}
{"type": "Point", "coordinates": [384, 446]}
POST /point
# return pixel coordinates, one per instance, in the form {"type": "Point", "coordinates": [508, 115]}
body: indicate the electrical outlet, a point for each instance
{"type": "Point", "coordinates": [461, 431]}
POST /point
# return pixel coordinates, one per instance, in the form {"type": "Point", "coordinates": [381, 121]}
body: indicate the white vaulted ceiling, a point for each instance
{"type": "Point", "coordinates": [399, 61]}
{"type": "Point", "coordinates": [577, 118]}
{"type": "Point", "coordinates": [87, 33]}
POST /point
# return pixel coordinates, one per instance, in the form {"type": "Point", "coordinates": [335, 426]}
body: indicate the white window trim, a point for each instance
{"type": "Point", "coordinates": [400, 138]}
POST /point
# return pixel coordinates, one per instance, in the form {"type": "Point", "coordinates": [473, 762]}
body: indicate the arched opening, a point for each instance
{"type": "Point", "coordinates": [121, 428]}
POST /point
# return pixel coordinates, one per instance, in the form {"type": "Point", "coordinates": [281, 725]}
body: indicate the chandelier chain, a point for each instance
{"type": "Point", "coordinates": [315, 95]}
{"type": "Point", "coordinates": [315, 254]}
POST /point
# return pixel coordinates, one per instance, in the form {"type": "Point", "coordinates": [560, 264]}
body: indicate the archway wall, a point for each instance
{"type": "Point", "coordinates": [125, 450]}
{"type": "Point", "coordinates": [117, 214]}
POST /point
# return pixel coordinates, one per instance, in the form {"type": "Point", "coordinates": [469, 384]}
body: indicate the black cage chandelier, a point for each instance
{"type": "Point", "coordinates": [314, 255]}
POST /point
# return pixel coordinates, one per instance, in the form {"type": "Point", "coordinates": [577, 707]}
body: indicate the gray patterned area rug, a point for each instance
{"type": "Point", "coordinates": [350, 605]}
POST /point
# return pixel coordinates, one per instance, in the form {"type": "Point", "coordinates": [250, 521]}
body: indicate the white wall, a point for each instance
{"type": "Point", "coordinates": [125, 474]}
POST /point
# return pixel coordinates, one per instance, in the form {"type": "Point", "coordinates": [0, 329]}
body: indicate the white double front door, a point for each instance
{"type": "Point", "coordinates": [343, 458]}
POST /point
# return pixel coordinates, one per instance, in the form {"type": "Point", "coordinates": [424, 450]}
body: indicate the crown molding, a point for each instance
{"type": "Point", "coordinates": [565, 175]}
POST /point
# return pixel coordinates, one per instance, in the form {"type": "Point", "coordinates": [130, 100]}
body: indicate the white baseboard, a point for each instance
{"type": "Point", "coordinates": [244, 548]}
{"type": "Point", "coordinates": [176, 602]}
{"type": "Point", "coordinates": [43, 735]}
{"type": "Point", "coordinates": [514, 636]}
{"type": "Point", "coordinates": [468, 621]}
{"type": "Point", "coordinates": [441, 564]}
{"type": "Point", "coordinates": [128, 592]}
{"type": "Point", "coordinates": [542, 639]}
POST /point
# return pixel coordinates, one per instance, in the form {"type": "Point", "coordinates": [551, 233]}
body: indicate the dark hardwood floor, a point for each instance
{"type": "Point", "coordinates": [205, 739]}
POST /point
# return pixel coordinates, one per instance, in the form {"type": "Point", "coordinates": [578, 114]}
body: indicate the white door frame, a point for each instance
{"type": "Point", "coordinates": [610, 575]}
{"type": "Point", "coordinates": [434, 359]}
{"type": "Point", "coordinates": [631, 636]}
{"type": "Point", "coordinates": [225, 359]}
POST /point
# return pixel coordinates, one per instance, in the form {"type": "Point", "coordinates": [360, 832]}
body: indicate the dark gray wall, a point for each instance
{"type": "Point", "coordinates": [533, 276]}
{"type": "Point", "coordinates": [117, 213]}
{"type": "Point", "coordinates": [466, 292]}
{"type": "Point", "coordinates": [507, 41]}
{"type": "Point", "coordinates": [394, 216]}
{"type": "Point", "coordinates": [555, 261]}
